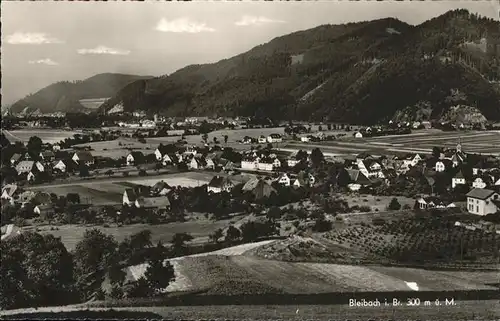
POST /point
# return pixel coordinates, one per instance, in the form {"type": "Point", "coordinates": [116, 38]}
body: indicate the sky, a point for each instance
{"type": "Point", "coordinates": [45, 42]}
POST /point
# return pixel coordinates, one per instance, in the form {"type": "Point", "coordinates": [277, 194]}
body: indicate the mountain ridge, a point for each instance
{"type": "Point", "coordinates": [64, 96]}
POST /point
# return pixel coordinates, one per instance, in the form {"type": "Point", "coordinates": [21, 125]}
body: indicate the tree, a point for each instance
{"type": "Point", "coordinates": [159, 274]}
{"type": "Point", "coordinates": [320, 128]}
{"type": "Point", "coordinates": [232, 234]}
{"type": "Point", "coordinates": [274, 213]}
{"type": "Point", "coordinates": [94, 255]}
{"type": "Point", "coordinates": [225, 139]}
{"type": "Point", "coordinates": [84, 171]}
{"type": "Point", "coordinates": [109, 172]}
{"type": "Point", "coordinates": [329, 126]}
{"type": "Point", "coordinates": [179, 241]}
{"type": "Point", "coordinates": [216, 235]}
{"type": "Point", "coordinates": [34, 146]}
{"type": "Point", "coordinates": [204, 137]}
{"type": "Point", "coordinates": [142, 172]}
{"type": "Point", "coordinates": [36, 270]}
{"type": "Point", "coordinates": [73, 198]}
{"type": "Point", "coordinates": [394, 205]}
{"type": "Point", "coordinates": [322, 225]}
{"type": "Point", "coordinates": [317, 157]}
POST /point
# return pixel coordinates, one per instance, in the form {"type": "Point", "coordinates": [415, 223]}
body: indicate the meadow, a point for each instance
{"type": "Point", "coordinates": [110, 190]}
{"type": "Point", "coordinates": [51, 136]}
{"type": "Point", "coordinates": [200, 229]}
{"type": "Point", "coordinates": [421, 141]}
{"type": "Point", "coordinates": [238, 272]}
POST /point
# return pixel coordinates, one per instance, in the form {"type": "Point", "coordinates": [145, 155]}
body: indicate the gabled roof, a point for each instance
{"type": "Point", "coordinates": [357, 177]}
{"type": "Point", "coordinates": [47, 153]}
{"type": "Point", "coordinates": [136, 154]}
{"type": "Point", "coordinates": [10, 189]}
{"type": "Point", "coordinates": [154, 202]}
{"type": "Point", "coordinates": [160, 185]}
{"type": "Point", "coordinates": [45, 207]}
{"type": "Point", "coordinates": [16, 157]}
{"type": "Point", "coordinates": [480, 193]}
{"type": "Point", "coordinates": [84, 156]}
{"type": "Point", "coordinates": [219, 181]}
{"type": "Point", "coordinates": [25, 164]}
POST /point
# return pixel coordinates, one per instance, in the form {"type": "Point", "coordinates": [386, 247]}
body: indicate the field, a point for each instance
{"type": "Point", "coordinates": [47, 135]}
{"type": "Point", "coordinates": [463, 310]}
{"type": "Point", "coordinates": [119, 147]}
{"type": "Point", "coordinates": [428, 239]}
{"type": "Point", "coordinates": [110, 191]}
{"type": "Point", "coordinates": [379, 203]}
{"type": "Point", "coordinates": [200, 229]}
{"type": "Point", "coordinates": [421, 141]}
{"type": "Point", "coordinates": [238, 272]}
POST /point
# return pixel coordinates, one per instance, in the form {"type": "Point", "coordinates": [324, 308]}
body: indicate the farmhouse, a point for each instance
{"type": "Point", "coordinates": [135, 158]}
{"type": "Point", "coordinates": [15, 159]}
{"type": "Point", "coordinates": [59, 165]}
{"type": "Point", "coordinates": [9, 191]}
{"type": "Point", "coordinates": [161, 188]}
{"type": "Point", "coordinates": [358, 179]}
{"type": "Point", "coordinates": [220, 184]}
{"type": "Point", "coordinates": [480, 182]}
{"type": "Point", "coordinates": [284, 179]}
{"type": "Point", "coordinates": [412, 159]}
{"type": "Point", "coordinates": [197, 163]}
{"type": "Point", "coordinates": [439, 165]}
{"type": "Point", "coordinates": [259, 188]}
{"type": "Point", "coordinates": [161, 202]}
{"type": "Point", "coordinates": [163, 150]}
{"type": "Point", "coordinates": [305, 139]}
{"type": "Point", "coordinates": [482, 201]}
{"type": "Point", "coordinates": [266, 164]}
{"type": "Point", "coordinates": [358, 135]}
{"type": "Point", "coordinates": [47, 156]}
{"type": "Point", "coordinates": [83, 157]}
{"type": "Point", "coordinates": [274, 138]}
{"type": "Point", "coordinates": [130, 195]}
{"type": "Point", "coordinates": [44, 211]}
{"type": "Point", "coordinates": [28, 166]}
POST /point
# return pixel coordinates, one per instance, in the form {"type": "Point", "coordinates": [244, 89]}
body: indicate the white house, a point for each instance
{"type": "Point", "coordinates": [274, 138]}
{"type": "Point", "coordinates": [284, 179]}
{"type": "Point", "coordinates": [262, 139]}
{"type": "Point", "coordinates": [457, 180]}
{"type": "Point", "coordinates": [276, 163]}
{"type": "Point", "coordinates": [84, 157]}
{"type": "Point", "coordinates": [60, 165]}
{"type": "Point", "coordinates": [209, 163]}
{"type": "Point", "coordinates": [482, 201]}
{"type": "Point", "coordinates": [197, 163]}
{"type": "Point", "coordinates": [305, 139]}
{"type": "Point", "coordinates": [266, 164]}
{"type": "Point", "coordinates": [412, 159]}
{"type": "Point", "coordinates": [250, 163]}
{"type": "Point", "coordinates": [28, 166]}
{"type": "Point", "coordinates": [439, 166]}
{"type": "Point", "coordinates": [166, 160]}
{"type": "Point", "coordinates": [135, 158]}
{"type": "Point", "coordinates": [478, 183]}
{"type": "Point", "coordinates": [358, 135]}
{"type": "Point", "coordinates": [9, 191]}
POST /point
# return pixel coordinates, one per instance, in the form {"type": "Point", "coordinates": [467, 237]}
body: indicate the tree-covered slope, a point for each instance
{"type": "Point", "coordinates": [64, 96]}
{"type": "Point", "coordinates": [359, 72]}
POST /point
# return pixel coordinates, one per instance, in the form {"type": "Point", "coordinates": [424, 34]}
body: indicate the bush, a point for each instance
{"type": "Point", "coordinates": [365, 209]}
{"type": "Point", "coordinates": [394, 205]}
{"type": "Point", "coordinates": [322, 225]}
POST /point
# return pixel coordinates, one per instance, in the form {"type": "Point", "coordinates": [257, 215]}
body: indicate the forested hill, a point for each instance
{"type": "Point", "coordinates": [363, 72]}
{"type": "Point", "coordinates": [64, 96]}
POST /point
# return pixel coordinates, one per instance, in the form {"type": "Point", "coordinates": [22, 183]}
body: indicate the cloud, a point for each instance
{"type": "Point", "coordinates": [103, 50]}
{"type": "Point", "coordinates": [182, 25]}
{"type": "Point", "coordinates": [255, 21]}
{"type": "Point", "coordinates": [46, 61]}
{"type": "Point", "coordinates": [31, 38]}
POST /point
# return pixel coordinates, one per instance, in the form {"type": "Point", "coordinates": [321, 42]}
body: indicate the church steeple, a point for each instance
{"type": "Point", "coordinates": [459, 145]}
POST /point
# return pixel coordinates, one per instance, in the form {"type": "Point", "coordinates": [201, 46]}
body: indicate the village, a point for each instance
{"type": "Point", "coordinates": [448, 177]}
